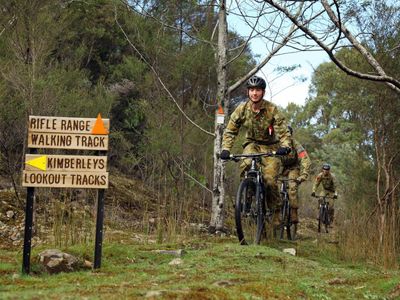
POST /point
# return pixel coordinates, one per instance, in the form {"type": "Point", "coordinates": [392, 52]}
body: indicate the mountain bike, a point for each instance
{"type": "Point", "coordinates": [286, 211]}
{"type": "Point", "coordinates": [323, 213]}
{"type": "Point", "coordinates": [251, 207]}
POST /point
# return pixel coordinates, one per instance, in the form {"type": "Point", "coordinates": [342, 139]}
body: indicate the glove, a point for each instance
{"type": "Point", "coordinates": [224, 154]}
{"type": "Point", "coordinates": [334, 196]}
{"type": "Point", "coordinates": [313, 194]}
{"type": "Point", "coordinates": [282, 151]}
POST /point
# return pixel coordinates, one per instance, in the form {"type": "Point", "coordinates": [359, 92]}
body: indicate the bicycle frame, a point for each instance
{"type": "Point", "coordinates": [260, 212]}
{"type": "Point", "coordinates": [286, 210]}
{"type": "Point", "coordinates": [323, 215]}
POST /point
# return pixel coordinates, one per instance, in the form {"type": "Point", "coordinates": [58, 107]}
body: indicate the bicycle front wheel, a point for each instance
{"type": "Point", "coordinates": [261, 209]}
{"type": "Point", "coordinates": [246, 212]}
{"type": "Point", "coordinates": [285, 218]}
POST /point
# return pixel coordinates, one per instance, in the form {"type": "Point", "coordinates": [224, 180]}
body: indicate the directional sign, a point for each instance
{"type": "Point", "coordinates": [67, 141]}
{"type": "Point", "coordinates": [74, 163]}
{"type": "Point", "coordinates": [65, 171]}
{"type": "Point", "coordinates": [89, 180]}
{"type": "Point", "coordinates": [69, 125]}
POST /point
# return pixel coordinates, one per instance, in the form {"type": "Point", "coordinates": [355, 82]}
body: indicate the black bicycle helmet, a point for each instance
{"type": "Point", "coordinates": [326, 167]}
{"type": "Point", "coordinates": [256, 82]}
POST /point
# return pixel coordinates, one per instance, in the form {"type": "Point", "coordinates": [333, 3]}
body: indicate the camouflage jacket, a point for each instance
{"type": "Point", "coordinates": [328, 182]}
{"type": "Point", "coordinates": [297, 158]}
{"type": "Point", "coordinates": [266, 127]}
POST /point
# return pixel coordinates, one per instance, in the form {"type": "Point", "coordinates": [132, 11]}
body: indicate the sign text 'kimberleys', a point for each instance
{"type": "Point", "coordinates": [65, 162]}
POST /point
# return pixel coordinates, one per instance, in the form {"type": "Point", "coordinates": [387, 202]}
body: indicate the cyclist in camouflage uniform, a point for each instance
{"type": "Point", "coordinates": [329, 187]}
{"type": "Point", "coordinates": [296, 166]}
{"type": "Point", "coordinates": [266, 130]}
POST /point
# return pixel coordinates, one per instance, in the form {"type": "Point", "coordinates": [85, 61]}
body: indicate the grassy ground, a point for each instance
{"type": "Point", "coordinates": [212, 268]}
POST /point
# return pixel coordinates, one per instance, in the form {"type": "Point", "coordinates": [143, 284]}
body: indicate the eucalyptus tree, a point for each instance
{"type": "Point", "coordinates": [316, 26]}
{"type": "Point", "coordinates": [281, 26]}
{"type": "Point", "coordinates": [36, 78]}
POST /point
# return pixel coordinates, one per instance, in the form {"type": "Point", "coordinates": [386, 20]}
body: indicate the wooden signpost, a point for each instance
{"type": "Point", "coordinates": [65, 171]}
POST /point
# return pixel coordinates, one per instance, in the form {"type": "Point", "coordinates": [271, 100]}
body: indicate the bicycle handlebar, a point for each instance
{"type": "Point", "coordinates": [237, 157]}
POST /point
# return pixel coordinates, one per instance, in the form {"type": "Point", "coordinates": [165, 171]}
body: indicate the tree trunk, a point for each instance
{"type": "Point", "coordinates": [217, 216]}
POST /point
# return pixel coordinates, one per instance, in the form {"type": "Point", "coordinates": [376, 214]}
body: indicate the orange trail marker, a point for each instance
{"type": "Point", "coordinates": [220, 110]}
{"type": "Point", "coordinates": [98, 127]}
{"type": "Point", "coordinates": [39, 163]}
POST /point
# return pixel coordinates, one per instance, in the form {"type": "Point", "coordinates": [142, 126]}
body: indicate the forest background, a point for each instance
{"type": "Point", "coordinates": [138, 63]}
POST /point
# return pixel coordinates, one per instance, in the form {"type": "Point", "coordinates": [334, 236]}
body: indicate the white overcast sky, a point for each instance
{"type": "Point", "coordinates": [287, 89]}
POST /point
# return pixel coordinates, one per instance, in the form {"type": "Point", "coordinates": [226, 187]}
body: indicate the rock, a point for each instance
{"type": "Point", "coordinates": [15, 236]}
{"type": "Point", "coordinates": [10, 214]}
{"type": "Point", "coordinates": [87, 264]}
{"type": "Point", "coordinates": [291, 251]}
{"type": "Point", "coordinates": [223, 283]}
{"type": "Point", "coordinates": [56, 261]}
{"type": "Point", "coordinates": [200, 227]}
{"type": "Point", "coordinates": [175, 262]}
{"type": "Point", "coordinates": [153, 294]}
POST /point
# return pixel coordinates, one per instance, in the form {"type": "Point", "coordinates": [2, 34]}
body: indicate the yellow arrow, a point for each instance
{"type": "Point", "coordinates": [40, 162]}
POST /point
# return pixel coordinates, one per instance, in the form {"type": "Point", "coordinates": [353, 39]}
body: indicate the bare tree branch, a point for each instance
{"type": "Point", "coordinates": [191, 177]}
{"type": "Point", "coordinates": [9, 23]}
{"type": "Point", "coordinates": [266, 59]}
{"type": "Point", "coordinates": [164, 24]}
{"type": "Point", "coordinates": [368, 56]}
{"type": "Point", "coordinates": [245, 43]}
{"type": "Point", "coordinates": [382, 77]}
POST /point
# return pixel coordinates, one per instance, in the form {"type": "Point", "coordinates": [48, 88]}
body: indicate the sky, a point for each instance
{"type": "Point", "coordinates": [288, 88]}
{"type": "Point", "coordinates": [284, 89]}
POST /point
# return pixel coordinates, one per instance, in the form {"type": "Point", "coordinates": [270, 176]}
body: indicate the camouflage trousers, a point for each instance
{"type": "Point", "coordinates": [292, 174]}
{"type": "Point", "coordinates": [270, 167]}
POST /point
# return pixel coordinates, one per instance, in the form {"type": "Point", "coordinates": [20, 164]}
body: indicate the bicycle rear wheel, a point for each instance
{"type": "Point", "coordinates": [246, 212]}
{"type": "Point", "coordinates": [261, 209]}
{"type": "Point", "coordinates": [320, 217]}
{"type": "Point", "coordinates": [326, 218]}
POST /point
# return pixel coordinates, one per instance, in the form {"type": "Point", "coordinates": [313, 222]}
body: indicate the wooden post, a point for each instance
{"type": "Point", "coordinates": [26, 256]}
{"type": "Point", "coordinates": [65, 171]}
{"type": "Point", "coordinates": [99, 229]}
